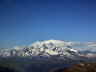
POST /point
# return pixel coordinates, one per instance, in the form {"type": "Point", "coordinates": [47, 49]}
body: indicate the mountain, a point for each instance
{"type": "Point", "coordinates": [47, 48]}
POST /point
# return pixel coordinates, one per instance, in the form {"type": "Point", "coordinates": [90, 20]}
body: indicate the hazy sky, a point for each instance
{"type": "Point", "coordinates": [25, 21]}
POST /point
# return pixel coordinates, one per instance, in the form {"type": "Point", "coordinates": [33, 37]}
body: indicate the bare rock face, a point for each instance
{"type": "Point", "coordinates": [82, 67]}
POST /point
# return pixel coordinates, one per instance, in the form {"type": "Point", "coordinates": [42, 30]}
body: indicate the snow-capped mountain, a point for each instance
{"type": "Point", "coordinates": [47, 48]}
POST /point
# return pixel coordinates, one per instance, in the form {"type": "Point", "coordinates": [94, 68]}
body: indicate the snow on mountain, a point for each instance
{"type": "Point", "coordinates": [45, 48]}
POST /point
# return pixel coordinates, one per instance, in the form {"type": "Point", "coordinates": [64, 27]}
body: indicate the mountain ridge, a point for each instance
{"type": "Point", "coordinates": [42, 48]}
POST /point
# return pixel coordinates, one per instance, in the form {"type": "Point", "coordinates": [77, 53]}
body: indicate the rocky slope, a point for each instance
{"type": "Point", "coordinates": [82, 67]}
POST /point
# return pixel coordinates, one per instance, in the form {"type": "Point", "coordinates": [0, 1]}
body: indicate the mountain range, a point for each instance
{"type": "Point", "coordinates": [58, 49]}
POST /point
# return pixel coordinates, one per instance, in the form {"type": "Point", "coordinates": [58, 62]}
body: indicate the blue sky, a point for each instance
{"type": "Point", "coordinates": [25, 21]}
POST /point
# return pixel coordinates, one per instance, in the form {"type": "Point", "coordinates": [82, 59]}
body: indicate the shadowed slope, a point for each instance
{"type": "Point", "coordinates": [82, 67]}
{"type": "Point", "coordinates": [6, 69]}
